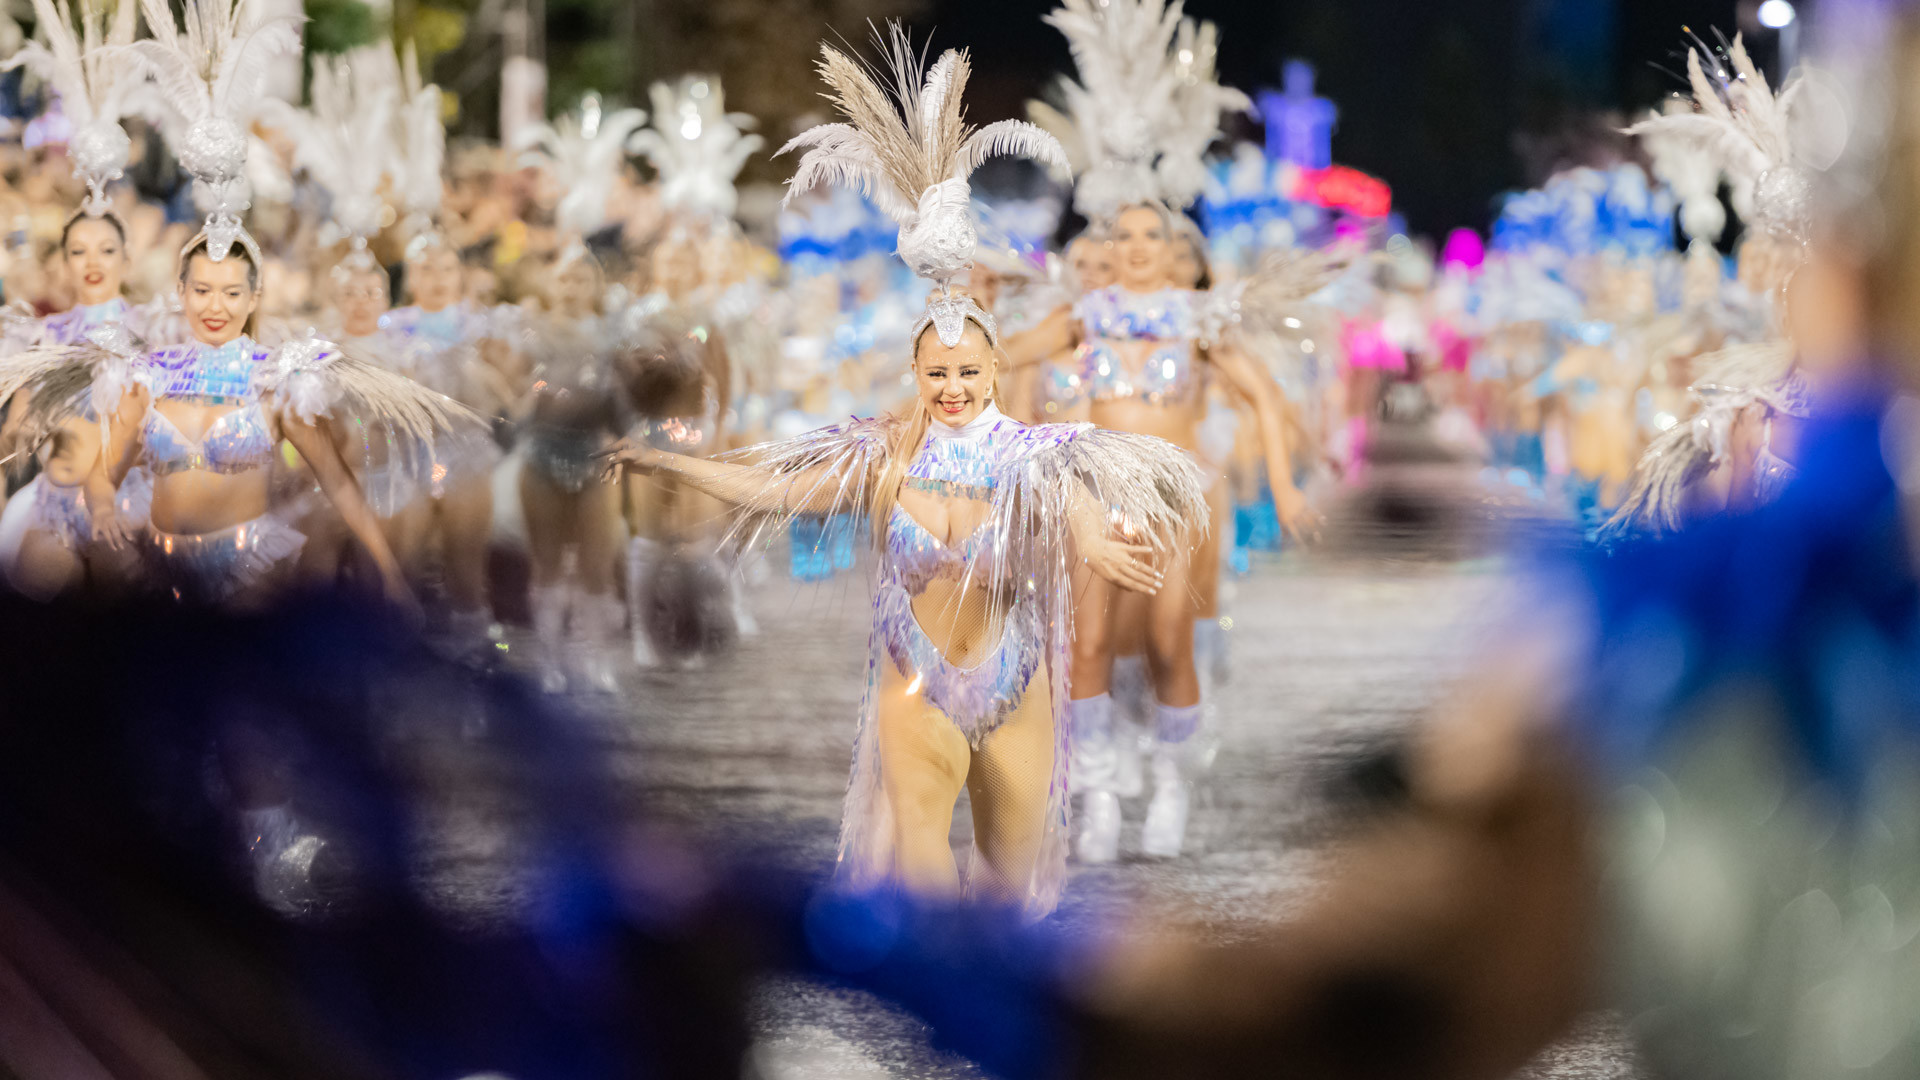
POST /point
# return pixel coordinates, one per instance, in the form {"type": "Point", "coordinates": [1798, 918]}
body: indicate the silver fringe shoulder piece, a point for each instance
{"type": "Point", "coordinates": [1258, 302]}
{"type": "Point", "coordinates": [60, 382]}
{"type": "Point", "coordinates": [906, 145]}
{"type": "Point", "coordinates": [210, 78]}
{"type": "Point", "coordinates": [98, 83]}
{"type": "Point", "coordinates": [311, 378]}
{"type": "Point", "coordinates": [1730, 381]}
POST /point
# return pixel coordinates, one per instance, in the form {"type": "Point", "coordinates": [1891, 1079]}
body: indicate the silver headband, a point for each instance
{"type": "Point", "coordinates": [947, 312]}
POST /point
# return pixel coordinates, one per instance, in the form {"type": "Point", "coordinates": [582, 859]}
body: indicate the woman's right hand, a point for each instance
{"type": "Point", "coordinates": [633, 457]}
{"type": "Point", "coordinates": [111, 528]}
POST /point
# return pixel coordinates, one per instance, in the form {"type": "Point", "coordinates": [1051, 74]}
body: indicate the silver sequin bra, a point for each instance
{"type": "Point", "coordinates": [1165, 374]}
{"type": "Point", "coordinates": [210, 375]}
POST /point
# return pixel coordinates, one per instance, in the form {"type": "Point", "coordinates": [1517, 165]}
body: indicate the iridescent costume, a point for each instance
{"type": "Point", "coordinates": [1018, 559]}
{"type": "Point", "coordinates": [445, 356]}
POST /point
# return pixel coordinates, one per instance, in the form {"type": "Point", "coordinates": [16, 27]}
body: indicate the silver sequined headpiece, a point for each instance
{"type": "Point", "coordinates": [947, 312]}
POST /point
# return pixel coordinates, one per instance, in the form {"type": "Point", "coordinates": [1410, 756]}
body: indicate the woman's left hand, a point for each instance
{"type": "Point", "coordinates": [1123, 564]}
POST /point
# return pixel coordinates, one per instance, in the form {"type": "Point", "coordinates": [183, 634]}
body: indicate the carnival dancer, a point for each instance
{"type": "Point", "coordinates": [1147, 348]}
{"type": "Point", "coordinates": [682, 384]}
{"type": "Point", "coordinates": [60, 518]}
{"type": "Point", "coordinates": [207, 416]}
{"type": "Point", "coordinates": [576, 407]}
{"type": "Point", "coordinates": [1735, 452]}
{"type": "Point", "coordinates": [977, 517]}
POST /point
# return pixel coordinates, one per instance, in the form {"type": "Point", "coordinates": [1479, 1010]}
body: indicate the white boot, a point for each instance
{"type": "Point", "coordinates": [641, 555]}
{"type": "Point", "coordinates": [598, 622]}
{"type": "Point", "coordinates": [1165, 831]}
{"type": "Point", "coordinates": [1133, 707]}
{"type": "Point", "coordinates": [549, 603]}
{"type": "Point", "coordinates": [1092, 773]}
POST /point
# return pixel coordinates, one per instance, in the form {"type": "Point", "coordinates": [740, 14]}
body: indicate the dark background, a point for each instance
{"type": "Point", "coordinates": [1450, 101]}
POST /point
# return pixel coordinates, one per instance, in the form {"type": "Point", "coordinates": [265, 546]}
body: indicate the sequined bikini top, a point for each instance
{"type": "Point", "coordinates": [952, 464]}
{"type": "Point", "coordinates": [209, 375]}
{"type": "Point", "coordinates": [1165, 374]}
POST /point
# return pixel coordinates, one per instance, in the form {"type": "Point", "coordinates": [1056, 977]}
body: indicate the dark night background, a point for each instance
{"type": "Point", "coordinates": [1449, 101]}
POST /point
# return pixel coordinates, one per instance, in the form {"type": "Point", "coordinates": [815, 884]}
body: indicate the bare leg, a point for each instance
{"type": "Point", "coordinates": [552, 524]}
{"type": "Point", "coordinates": [1010, 780]}
{"type": "Point", "coordinates": [1170, 633]}
{"type": "Point", "coordinates": [466, 528]}
{"type": "Point", "coordinates": [45, 567]}
{"type": "Point", "coordinates": [923, 763]}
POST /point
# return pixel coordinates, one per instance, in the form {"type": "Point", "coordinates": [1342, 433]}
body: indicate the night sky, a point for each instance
{"type": "Point", "coordinates": [1449, 101]}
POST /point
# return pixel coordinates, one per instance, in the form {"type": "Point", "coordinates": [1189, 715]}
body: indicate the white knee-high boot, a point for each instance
{"type": "Point", "coordinates": [1165, 831]}
{"type": "Point", "coordinates": [1093, 767]}
{"type": "Point", "coordinates": [642, 553]}
{"type": "Point", "coordinates": [549, 603]}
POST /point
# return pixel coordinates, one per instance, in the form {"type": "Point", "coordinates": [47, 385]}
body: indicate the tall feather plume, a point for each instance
{"type": "Point", "coordinates": [1737, 119]}
{"type": "Point", "coordinates": [583, 152]}
{"type": "Point", "coordinates": [1123, 103]}
{"type": "Point", "coordinates": [1193, 118]}
{"type": "Point", "coordinates": [697, 147]}
{"type": "Point", "coordinates": [97, 83]}
{"type": "Point", "coordinates": [421, 152]}
{"type": "Point", "coordinates": [338, 139]}
{"type": "Point", "coordinates": [907, 146]}
{"type": "Point", "coordinates": [210, 77]}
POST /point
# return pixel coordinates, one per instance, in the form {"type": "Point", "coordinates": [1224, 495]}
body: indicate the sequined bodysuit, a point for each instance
{"type": "Point", "coordinates": [964, 464]}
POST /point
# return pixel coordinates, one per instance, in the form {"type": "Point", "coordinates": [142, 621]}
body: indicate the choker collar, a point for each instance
{"type": "Point", "coordinates": [974, 428]}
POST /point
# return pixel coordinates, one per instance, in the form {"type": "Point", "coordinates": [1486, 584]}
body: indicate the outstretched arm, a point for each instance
{"type": "Point", "coordinates": [1299, 519]}
{"type": "Point", "coordinates": [1053, 334]}
{"type": "Point", "coordinates": [1119, 561]}
{"type": "Point", "coordinates": [822, 489]}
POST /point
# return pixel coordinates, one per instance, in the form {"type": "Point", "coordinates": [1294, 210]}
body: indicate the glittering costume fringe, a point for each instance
{"type": "Point", "coordinates": [1150, 489]}
{"type": "Point", "coordinates": [1730, 381]}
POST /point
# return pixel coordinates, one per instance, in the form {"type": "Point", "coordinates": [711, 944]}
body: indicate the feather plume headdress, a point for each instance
{"type": "Point", "coordinates": [583, 153]}
{"type": "Point", "coordinates": [1754, 135]}
{"type": "Point", "coordinates": [337, 137]}
{"type": "Point", "coordinates": [1116, 115]}
{"type": "Point", "coordinates": [907, 146]}
{"type": "Point", "coordinates": [97, 83]}
{"type": "Point", "coordinates": [697, 146]}
{"type": "Point", "coordinates": [421, 151]}
{"type": "Point", "coordinates": [210, 78]}
{"type": "Point", "coordinates": [1193, 114]}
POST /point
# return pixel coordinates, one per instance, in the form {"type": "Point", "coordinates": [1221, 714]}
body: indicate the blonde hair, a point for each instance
{"type": "Point", "coordinates": [909, 433]}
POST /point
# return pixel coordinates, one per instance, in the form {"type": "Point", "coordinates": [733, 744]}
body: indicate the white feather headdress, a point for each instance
{"type": "Point", "coordinates": [908, 147]}
{"type": "Point", "coordinates": [1750, 131]}
{"type": "Point", "coordinates": [583, 152]}
{"type": "Point", "coordinates": [697, 146]}
{"type": "Point", "coordinates": [422, 144]}
{"type": "Point", "coordinates": [338, 139]}
{"type": "Point", "coordinates": [1118, 112]}
{"type": "Point", "coordinates": [1193, 115]}
{"type": "Point", "coordinates": [210, 78]}
{"type": "Point", "coordinates": [97, 83]}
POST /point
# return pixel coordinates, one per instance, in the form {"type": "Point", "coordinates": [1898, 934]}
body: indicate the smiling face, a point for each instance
{"type": "Point", "coordinates": [96, 258]}
{"type": "Point", "coordinates": [218, 297]}
{"type": "Point", "coordinates": [1142, 249]}
{"type": "Point", "coordinates": [361, 299]}
{"type": "Point", "coordinates": [955, 383]}
{"type": "Point", "coordinates": [1092, 263]}
{"type": "Point", "coordinates": [434, 278]}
